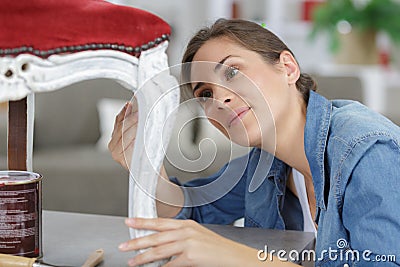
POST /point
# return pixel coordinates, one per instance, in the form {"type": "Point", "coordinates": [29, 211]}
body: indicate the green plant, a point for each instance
{"type": "Point", "coordinates": [362, 15]}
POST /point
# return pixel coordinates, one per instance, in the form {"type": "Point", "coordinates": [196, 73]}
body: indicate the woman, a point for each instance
{"type": "Point", "coordinates": [335, 171]}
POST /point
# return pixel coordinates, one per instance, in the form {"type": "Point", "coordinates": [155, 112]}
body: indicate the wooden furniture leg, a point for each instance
{"type": "Point", "coordinates": [17, 135]}
{"type": "Point", "coordinates": [20, 134]}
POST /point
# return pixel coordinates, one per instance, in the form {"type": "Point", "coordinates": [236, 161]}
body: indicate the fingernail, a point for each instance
{"type": "Point", "coordinates": [131, 262]}
{"type": "Point", "coordinates": [130, 221]}
{"type": "Point", "coordinates": [129, 108]}
{"type": "Point", "coordinates": [123, 246]}
{"type": "Point", "coordinates": [124, 107]}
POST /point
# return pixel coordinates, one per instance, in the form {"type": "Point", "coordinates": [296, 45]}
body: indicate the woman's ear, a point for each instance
{"type": "Point", "coordinates": [290, 67]}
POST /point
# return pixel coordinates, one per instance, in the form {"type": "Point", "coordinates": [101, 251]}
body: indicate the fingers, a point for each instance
{"type": "Point", "coordinates": [152, 240]}
{"type": "Point", "coordinates": [163, 244]}
{"type": "Point", "coordinates": [129, 129]}
{"type": "Point", "coordinates": [134, 104]}
{"type": "Point", "coordinates": [124, 121]}
{"type": "Point", "coordinates": [177, 262]}
{"type": "Point", "coordinates": [118, 123]}
{"type": "Point", "coordinates": [159, 224]}
{"type": "Point", "coordinates": [126, 109]}
{"type": "Point", "coordinates": [126, 143]}
{"type": "Point", "coordinates": [168, 230]}
{"type": "Point", "coordinates": [157, 253]}
{"type": "Point", "coordinates": [124, 133]}
{"type": "Point", "coordinates": [185, 240]}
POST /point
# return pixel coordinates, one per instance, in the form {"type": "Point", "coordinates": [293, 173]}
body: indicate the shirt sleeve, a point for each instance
{"type": "Point", "coordinates": [218, 199]}
{"type": "Point", "coordinates": [371, 207]}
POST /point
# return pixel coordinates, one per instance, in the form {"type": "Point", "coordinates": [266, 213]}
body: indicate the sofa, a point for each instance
{"type": "Point", "coordinates": [350, 87]}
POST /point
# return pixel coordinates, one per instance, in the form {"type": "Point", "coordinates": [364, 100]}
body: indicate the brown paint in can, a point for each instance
{"type": "Point", "coordinates": [21, 213]}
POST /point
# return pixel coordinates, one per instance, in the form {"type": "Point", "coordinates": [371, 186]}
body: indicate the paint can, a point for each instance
{"type": "Point", "coordinates": [21, 213]}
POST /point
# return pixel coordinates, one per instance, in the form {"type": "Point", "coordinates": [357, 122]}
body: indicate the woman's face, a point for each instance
{"type": "Point", "coordinates": [242, 95]}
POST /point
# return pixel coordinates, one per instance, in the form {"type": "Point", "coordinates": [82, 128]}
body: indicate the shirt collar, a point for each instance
{"type": "Point", "coordinates": [318, 119]}
{"type": "Point", "coordinates": [277, 170]}
{"type": "Point", "coordinates": [278, 174]}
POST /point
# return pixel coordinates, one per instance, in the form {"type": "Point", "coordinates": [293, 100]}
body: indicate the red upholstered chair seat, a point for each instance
{"type": "Point", "coordinates": [46, 27]}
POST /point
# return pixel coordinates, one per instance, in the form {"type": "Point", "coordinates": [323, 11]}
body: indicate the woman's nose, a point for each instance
{"type": "Point", "coordinates": [223, 98]}
{"type": "Point", "coordinates": [222, 103]}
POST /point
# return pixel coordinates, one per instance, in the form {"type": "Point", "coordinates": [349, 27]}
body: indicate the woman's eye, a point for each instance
{"type": "Point", "coordinates": [230, 73]}
{"type": "Point", "coordinates": [204, 95]}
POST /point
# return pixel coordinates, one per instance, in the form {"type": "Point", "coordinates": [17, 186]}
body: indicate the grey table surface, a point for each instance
{"type": "Point", "coordinates": [68, 238]}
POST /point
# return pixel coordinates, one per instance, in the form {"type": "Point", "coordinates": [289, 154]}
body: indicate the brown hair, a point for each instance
{"type": "Point", "coordinates": [251, 36]}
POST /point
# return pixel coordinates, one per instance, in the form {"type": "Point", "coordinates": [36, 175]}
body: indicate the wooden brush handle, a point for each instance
{"type": "Point", "coordinates": [95, 258]}
{"type": "Point", "coordinates": [15, 261]}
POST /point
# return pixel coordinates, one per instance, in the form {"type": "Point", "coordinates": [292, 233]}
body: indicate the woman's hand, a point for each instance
{"type": "Point", "coordinates": [121, 147]}
{"type": "Point", "coordinates": [190, 243]}
{"type": "Point", "coordinates": [124, 134]}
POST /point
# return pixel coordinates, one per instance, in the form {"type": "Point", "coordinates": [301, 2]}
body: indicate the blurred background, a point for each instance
{"type": "Point", "coordinates": [351, 47]}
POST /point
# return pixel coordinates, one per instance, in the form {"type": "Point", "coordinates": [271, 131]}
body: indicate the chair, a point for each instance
{"type": "Point", "coordinates": [47, 45]}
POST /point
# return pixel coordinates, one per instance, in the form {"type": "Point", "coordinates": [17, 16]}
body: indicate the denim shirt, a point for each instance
{"type": "Point", "coordinates": [354, 156]}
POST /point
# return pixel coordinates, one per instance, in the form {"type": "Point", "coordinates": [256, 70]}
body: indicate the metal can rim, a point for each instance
{"type": "Point", "coordinates": [33, 177]}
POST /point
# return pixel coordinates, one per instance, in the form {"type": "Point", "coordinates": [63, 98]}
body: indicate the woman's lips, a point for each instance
{"type": "Point", "coordinates": [237, 115]}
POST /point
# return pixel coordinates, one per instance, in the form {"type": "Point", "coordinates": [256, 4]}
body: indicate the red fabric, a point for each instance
{"type": "Point", "coordinates": [50, 24]}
